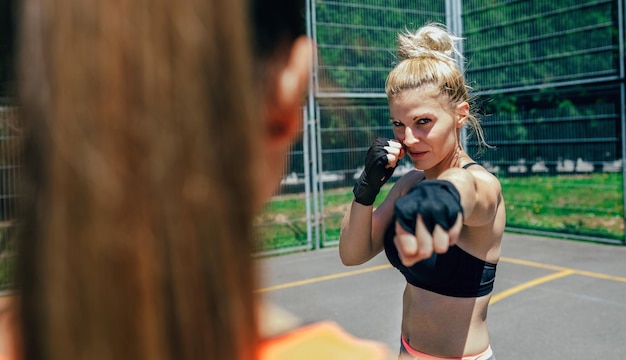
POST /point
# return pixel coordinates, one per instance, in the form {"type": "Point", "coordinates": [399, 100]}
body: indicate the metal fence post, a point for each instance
{"type": "Point", "coordinates": [454, 20]}
{"type": "Point", "coordinates": [311, 166]}
{"type": "Point", "coordinates": [620, 22]}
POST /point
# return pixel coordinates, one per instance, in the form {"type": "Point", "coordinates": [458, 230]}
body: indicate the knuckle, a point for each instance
{"type": "Point", "coordinates": [424, 253]}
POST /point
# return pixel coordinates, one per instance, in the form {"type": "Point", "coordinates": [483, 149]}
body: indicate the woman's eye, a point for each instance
{"type": "Point", "coordinates": [397, 123]}
{"type": "Point", "coordinates": [423, 121]}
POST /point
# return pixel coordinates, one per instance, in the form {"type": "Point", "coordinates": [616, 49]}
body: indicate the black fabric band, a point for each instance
{"type": "Point", "coordinates": [437, 201]}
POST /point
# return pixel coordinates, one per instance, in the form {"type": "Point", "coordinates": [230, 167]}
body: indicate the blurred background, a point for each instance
{"type": "Point", "coordinates": [549, 88]}
{"type": "Point", "coordinates": [548, 85]}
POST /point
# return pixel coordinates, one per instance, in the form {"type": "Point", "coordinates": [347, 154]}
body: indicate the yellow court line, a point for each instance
{"type": "Point", "coordinates": [561, 272]}
{"type": "Point", "coordinates": [323, 278]}
{"type": "Point", "coordinates": [521, 287]}
{"type": "Point", "coordinates": [601, 276]}
{"type": "Point", "coordinates": [562, 268]}
{"type": "Point", "coordinates": [533, 264]}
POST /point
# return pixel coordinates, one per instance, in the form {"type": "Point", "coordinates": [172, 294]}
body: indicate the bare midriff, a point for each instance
{"type": "Point", "coordinates": [444, 326]}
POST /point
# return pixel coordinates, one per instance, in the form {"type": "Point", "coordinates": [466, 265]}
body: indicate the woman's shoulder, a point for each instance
{"type": "Point", "coordinates": [482, 174]}
{"type": "Point", "coordinates": [406, 181]}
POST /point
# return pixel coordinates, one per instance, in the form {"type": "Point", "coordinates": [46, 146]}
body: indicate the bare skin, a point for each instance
{"type": "Point", "coordinates": [427, 130]}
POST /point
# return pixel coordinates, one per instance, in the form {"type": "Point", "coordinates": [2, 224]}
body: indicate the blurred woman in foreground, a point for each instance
{"type": "Point", "coordinates": [147, 150]}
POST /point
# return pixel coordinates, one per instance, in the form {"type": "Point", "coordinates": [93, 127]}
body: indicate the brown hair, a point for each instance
{"type": "Point", "coordinates": [136, 233]}
{"type": "Point", "coordinates": [427, 57]}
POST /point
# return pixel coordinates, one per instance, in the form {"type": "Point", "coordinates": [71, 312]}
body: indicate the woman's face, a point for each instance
{"type": "Point", "coordinates": [428, 128]}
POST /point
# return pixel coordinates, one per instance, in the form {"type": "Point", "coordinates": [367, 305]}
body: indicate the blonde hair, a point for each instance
{"type": "Point", "coordinates": [427, 57]}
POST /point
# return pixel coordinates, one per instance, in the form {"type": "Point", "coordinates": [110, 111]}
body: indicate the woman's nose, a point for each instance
{"type": "Point", "coordinates": [409, 137]}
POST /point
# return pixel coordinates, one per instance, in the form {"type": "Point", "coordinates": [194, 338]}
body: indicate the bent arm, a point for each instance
{"type": "Point", "coordinates": [356, 243]}
{"type": "Point", "coordinates": [363, 228]}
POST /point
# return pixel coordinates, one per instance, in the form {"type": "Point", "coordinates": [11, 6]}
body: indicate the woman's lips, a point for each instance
{"type": "Point", "coordinates": [416, 155]}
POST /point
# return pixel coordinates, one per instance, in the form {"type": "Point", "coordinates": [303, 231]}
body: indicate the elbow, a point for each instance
{"type": "Point", "coordinates": [349, 259]}
{"type": "Point", "coordinates": [353, 249]}
{"type": "Point", "coordinates": [350, 262]}
{"type": "Point", "coordinates": [345, 258]}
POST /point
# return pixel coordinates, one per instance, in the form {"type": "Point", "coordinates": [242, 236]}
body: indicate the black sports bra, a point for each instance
{"type": "Point", "coordinates": [455, 273]}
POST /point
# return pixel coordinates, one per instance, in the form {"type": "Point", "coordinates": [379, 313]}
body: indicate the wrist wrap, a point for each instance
{"type": "Point", "coordinates": [437, 201]}
{"type": "Point", "coordinates": [374, 175]}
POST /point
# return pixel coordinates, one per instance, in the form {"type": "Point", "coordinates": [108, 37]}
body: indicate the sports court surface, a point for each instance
{"type": "Point", "coordinates": [553, 299]}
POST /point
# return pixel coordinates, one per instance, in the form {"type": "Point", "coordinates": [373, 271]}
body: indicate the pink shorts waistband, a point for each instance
{"type": "Point", "coordinates": [485, 355]}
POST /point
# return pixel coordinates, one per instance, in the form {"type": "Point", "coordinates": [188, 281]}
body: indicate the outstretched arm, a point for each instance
{"type": "Point", "coordinates": [466, 197]}
{"type": "Point", "coordinates": [480, 194]}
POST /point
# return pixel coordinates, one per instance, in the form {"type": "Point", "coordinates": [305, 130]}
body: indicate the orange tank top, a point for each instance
{"type": "Point", "coordinates": [323, 340]}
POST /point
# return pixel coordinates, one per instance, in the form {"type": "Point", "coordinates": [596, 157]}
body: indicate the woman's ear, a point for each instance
{"type": "Point", "coordinates": [284, 100]}
{"type": "Point", "coordinates": [292, 80]}
{"type": "Point", "coordinates": [463, 113]}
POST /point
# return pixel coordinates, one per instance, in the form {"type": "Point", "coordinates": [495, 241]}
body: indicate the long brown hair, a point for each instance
{"type": "Point", "coordinates": [136, 234]}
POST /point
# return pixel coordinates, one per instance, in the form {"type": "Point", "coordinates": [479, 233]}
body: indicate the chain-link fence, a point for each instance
{"type": "Point", "coordinates": [9, 166]}
{"type": "Point", "coordinates": [551, 77]}
{"type": "Point", "coordinates": [548, 81]}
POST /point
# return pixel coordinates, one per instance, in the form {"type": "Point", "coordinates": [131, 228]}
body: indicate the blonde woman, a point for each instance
{"type": "Point", "coordinates": [441, 224]}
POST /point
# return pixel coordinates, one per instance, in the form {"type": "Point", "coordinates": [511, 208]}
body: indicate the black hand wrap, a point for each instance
{"type": "Point", "coordinates": [438, 201]}
{"type": "Point", "coordinates": [374, 175]}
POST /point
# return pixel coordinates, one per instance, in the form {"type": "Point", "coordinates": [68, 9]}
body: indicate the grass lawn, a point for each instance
{"type": "Point", "coordinates": [586, 205]}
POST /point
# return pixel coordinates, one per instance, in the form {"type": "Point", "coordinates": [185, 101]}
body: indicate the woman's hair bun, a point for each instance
{"type": "Point", "coordinates": [431, 40]}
